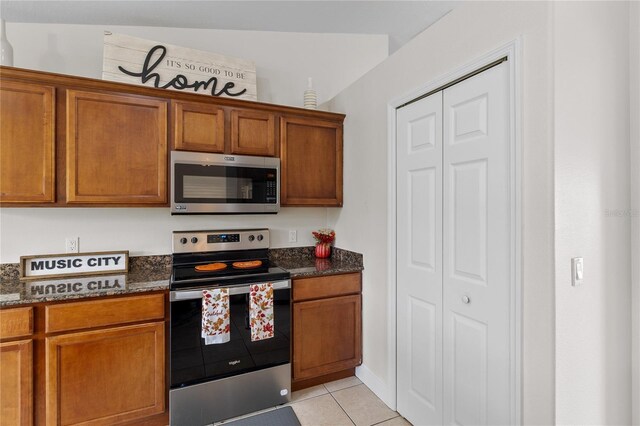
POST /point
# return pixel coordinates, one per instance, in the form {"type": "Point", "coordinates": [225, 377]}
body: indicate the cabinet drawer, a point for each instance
{"type": "Point", "coordinates": [98, 313]}
{"type": "Point", "coordinates": [327, 286]}
{"type": "Point", "coordinates": [16, 322]}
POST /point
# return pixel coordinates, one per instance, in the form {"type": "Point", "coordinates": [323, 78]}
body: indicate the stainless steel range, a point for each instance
{"type": "Point", "coordinates": [212, 382]}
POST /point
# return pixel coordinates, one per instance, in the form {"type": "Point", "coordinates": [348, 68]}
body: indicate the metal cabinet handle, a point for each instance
{"type": "Point", "coordinates": [191, 294]}
{"type": "Point", "coordinates": [465, 299]}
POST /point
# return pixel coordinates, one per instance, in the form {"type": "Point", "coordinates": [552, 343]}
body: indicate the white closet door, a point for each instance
{"type": "Point", "coordinates": [476, 250]}
{"type": "Point", "coordinates": [419, 261]}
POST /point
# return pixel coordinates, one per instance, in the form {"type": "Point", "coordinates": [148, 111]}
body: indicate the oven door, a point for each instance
{"type": "Point", "coordinates": [194, 362]}
{"type": "Point", "coordinates": [217, 183]}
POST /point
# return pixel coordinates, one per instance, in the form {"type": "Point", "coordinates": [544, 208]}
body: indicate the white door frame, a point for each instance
{"type": "Point", "coordinates": [512, 51]}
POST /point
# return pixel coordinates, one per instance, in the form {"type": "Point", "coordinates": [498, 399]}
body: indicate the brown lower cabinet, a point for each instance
{"type": "Point", "coordinates": [97, 361]}
{"type": "Point", "coordinates": [105, 376]}
{"type": "Point", "coordinates": [16, 383]}
{"type": "Point", "coordinates": [16, 366]}
{"type": "Point", "coordinates": [327, 328]}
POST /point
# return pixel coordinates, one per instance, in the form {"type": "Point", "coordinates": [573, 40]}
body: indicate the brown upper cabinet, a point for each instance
{"type": "Point", "coordinates": [116, 148]}
{"type": "Point", "coordinates": [27, 143]}
{"type": "Point", "coordinates": [200, 126]}
{"type": "Point", "coordinates": [197, 126]}
{"type": "Point", "coordinates": [253, 133]}
{"type": "Point", "coordinates": [311, 162]}
{"type": "Point", "coordinates": [73, 141]}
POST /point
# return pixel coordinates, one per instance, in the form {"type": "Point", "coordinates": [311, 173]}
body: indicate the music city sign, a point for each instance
{"type": "Point", "coordinates": [56, 265]}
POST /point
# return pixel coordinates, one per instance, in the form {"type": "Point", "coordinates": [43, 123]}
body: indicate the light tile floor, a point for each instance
{"type": "Point", "coordinates": [345, 402]}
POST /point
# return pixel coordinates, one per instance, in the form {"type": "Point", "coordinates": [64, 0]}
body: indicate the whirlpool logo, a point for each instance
{"type": "Point", "coordinates": [236, 362]}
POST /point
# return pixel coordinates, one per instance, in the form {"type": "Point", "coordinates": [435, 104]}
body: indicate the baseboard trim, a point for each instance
{"type": "Point", "coordinates": [377, 385]}
{"type": "Point", "coordinates": [307, 383]}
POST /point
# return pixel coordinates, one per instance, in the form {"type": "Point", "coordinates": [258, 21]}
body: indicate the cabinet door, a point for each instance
{"type": "Point", "coordinates": [105, 376]}
{"type": "Point", "coordinates": [198, 127]}
{"type": "Point", "coordinates": [16, 383]}
{"type": "Point", "coordinates": [326, 336]}
{"type": "Point", "coordinates": [27, 143]}
{"type": "Point", "coordinates": [116, 149]}
{"type": "Point", "coordinates": [311, 155]}
{"type": "Point", "coordinates": [253, 133]}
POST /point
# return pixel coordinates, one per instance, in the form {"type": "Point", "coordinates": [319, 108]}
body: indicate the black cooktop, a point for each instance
{"type": "Point", "coordinates": [185, 275]}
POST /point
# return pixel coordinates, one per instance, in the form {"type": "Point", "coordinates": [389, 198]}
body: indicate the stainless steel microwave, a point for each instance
{"type": "Point", "coordinates": [204, 183]}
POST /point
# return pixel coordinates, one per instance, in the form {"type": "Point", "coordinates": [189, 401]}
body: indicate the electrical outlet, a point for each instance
{"type": "Point", "coordinates": [293, 236]}
{"type": "Point", "coordinates": [72, 244]}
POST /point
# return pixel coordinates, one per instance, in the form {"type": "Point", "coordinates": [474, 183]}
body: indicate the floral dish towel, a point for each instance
{"type": "Point", "coordinates": [215, 316]}
{"type": "Point", "coordinates": [261, 311]}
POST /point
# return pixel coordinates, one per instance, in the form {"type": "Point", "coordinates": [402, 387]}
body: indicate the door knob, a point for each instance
{"type": "Point", "coordinates": [465, 299]}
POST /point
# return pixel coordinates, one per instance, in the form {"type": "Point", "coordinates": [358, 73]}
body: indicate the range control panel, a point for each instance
{"type": "Point", "coordinates": [207, 241]}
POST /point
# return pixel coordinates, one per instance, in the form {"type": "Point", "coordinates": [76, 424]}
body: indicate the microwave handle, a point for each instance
{"type": "Point", "coordinates": [180, 295]}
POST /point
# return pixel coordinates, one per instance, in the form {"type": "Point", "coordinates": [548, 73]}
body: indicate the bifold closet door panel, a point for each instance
{"type": "Point", "coordinates": [419, 260]}
{"type": "Point", "coordinates": [476, 250]}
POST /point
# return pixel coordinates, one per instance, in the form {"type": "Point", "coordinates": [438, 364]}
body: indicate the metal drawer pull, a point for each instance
{"type": "Point", "coordinates": [465, 299]}
{"type": "Point", "coordinates": [197, 294]}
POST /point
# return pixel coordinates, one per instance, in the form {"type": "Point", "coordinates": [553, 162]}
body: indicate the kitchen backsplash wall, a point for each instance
{"type": "Point", "coordinates": [142, 231]}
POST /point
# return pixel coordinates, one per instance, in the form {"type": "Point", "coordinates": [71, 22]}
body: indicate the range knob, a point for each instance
{"type": "Point", "coordinates": [194, 240]}
{"type": "Point", "coordinates": [260, 237]}
{"type": "Point", "coordinates": [183, 240]}
{"type": "Point", "coordinates": [251, 238]}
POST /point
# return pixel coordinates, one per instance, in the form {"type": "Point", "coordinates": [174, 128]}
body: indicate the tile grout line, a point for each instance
{"type": "Point", "coordinates": [338, 390]}
{"type": "Point", "coordinates": [342, 408]}
{"type": "Point", "coordinates": [306, 399]}
{"type": "Point", "coordinates": [309, 397]}
{"type": "Point", "coordinates": [348, 387]}
{"type": "Point", "coordinates": [395, 417]}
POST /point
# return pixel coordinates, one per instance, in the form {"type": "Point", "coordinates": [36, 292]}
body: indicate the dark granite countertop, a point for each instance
{"type": "Point", "coordinates": [301, 262]}
{"type": "Point", "coordinates": [152, 273]}
{"type": "Point", "coordinates": [146, 273]}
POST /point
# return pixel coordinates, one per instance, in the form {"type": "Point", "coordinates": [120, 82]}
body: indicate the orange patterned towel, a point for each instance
{"type": "Point", "coordinates": [261, 311]}
{"type": "Point", "coordinates": [215, 316]}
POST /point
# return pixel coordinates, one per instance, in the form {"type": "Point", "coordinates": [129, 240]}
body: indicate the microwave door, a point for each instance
{"type": "Point", "coordinates": [211, 189]}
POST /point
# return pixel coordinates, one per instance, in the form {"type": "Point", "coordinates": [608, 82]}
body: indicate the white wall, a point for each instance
{"type": "Point", "coordinates": [283, 60]}
{"type": "Point", "coordinates": [142, 231]}
{"type": "Point", "coordinates": [634, 83]}
{"type": "Point", "coordinates": [593, 321]}
{"type": "Point", "coordinates": [469, 31]}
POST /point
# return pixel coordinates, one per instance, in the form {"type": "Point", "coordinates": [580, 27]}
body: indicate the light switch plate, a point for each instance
{"type": "Point", "coordinates": [577, 271]}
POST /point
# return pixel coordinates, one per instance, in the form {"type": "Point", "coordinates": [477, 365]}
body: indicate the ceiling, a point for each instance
{"type": "Point", "coordinates": [400, 20]}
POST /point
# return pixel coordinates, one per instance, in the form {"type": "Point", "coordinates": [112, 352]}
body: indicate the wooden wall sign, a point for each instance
{"type": "Point", "coordinates": [56, 265]}
{"type": "Point", "coordinates": [134, 60]}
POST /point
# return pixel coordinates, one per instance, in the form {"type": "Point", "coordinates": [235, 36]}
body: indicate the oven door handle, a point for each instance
{"type": "Point", "coordinates": [180, 295]}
